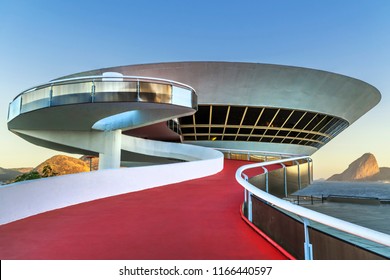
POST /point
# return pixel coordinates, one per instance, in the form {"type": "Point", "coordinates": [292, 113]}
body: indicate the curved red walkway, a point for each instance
{"type": "Point", "coordinates": [197, 219]}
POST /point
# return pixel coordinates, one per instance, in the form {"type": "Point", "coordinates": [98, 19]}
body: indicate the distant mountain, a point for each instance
{"type": "Point", "coordinates": [364, 168]}
{"type": "Point", "coordinates": [23, 169]}
{"type": "Point", "coordinates": [54, 166]}
{"type": "Point", "coordinates": [61, 165]}
{"type": "Point", "coordinates": [8, 174]}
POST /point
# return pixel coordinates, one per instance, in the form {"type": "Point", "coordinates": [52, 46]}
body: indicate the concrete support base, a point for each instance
{"type": "Point", "coordinates": [106, 143]}
{"type": "Point", "coordinates": [111, 155]}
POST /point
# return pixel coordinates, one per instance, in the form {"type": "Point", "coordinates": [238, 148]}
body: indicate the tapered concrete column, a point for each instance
{"type": "Point", "coordinates": [111, 157]}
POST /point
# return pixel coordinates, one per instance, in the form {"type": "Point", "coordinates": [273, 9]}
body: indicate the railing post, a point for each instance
{"type": "Point", "coordinates": [93, 88]}
{"type": "Point", "coordinates": [21, 104]}
{"type": "Point", "coordinates": [266, 178]}
{"type": "Point", "coordinates": [310, 163]}
{"type": "Point", "coordinates": [245, 190]}
{"type": "Point", "coordinates": [285, 179]}
{"type": "Point", "coordinates": [299, 174]}
{"type": "Point", "coordinates": [50, 95]}
{"type": "Point", "coordinates": [250, 207]}
{"type": "Point", "coordinates": [308, 248]}
{"type": "Point", "coordinates": [138, 90]}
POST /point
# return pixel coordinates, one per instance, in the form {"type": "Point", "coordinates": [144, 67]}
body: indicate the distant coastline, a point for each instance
{"type": "Point", "coordinates": [367, 203]}
{"type": "Point", "coordinates": [378, 190]}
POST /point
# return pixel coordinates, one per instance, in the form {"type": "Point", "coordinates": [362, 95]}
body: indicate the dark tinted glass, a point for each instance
{"type": "Point", "coordinates": [267, 117]}
{"type": "Point", "coordinates": [281, 118]}
{"type": "Point", "coordinates": [235, 115]}
{"type": "Point", "coordinates": [202, 115]}
{"type": "Point", "coordinates": [294, 118]}
{"type": "Point", "coordinates": [251, 116]}
{"type": "Point", "coordinates": [245, 119]}
{"type": "Point", "coordinates": [219, 114]}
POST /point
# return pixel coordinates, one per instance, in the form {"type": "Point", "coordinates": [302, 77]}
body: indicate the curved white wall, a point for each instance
{"type": "Point", "coordinates": [29, 198]}
{"type": "Point", "coordinates": [166, 149]}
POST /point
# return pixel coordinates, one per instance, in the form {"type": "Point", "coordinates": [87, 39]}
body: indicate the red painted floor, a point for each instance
{"type": "Point", "coordinates": [197, 219]}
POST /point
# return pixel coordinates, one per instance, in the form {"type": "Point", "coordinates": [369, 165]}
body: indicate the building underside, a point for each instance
{"type": "Point", "coordinates": [227, 105]}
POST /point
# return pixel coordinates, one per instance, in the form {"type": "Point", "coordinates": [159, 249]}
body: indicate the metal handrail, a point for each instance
{"type": "Point", "coordinates": [305, 213]}
{"type": "Point", "coordinates": [115, 78]}
{"type": "Point", "coordinates": [17, 103]}
{"type": "Point", "coordinates": [265, 153]}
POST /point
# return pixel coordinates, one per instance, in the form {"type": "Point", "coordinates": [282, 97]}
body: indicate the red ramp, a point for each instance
{"type": "Point", "coordinates": [197, 219]}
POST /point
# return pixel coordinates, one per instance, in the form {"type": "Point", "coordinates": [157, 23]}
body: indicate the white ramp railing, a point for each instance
{"type": "Point", "coordinates": [304, 213]}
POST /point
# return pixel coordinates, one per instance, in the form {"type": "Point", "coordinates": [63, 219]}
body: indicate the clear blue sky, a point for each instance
{"type": "Point", "coordinates": [41, 40]}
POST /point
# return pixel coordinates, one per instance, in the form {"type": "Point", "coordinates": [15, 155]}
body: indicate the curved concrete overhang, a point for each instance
{"type": "Point", "coordinates": [101, 102]}
{"type": "Point", "coordinates": [98, 116]}
{"type": "Point", "coordinates": [248, 106]}
{"type": "Point", "coordinates": [255, 84]}
{"type": "Point", "coordinates": [89, 114]}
